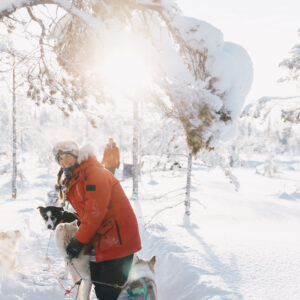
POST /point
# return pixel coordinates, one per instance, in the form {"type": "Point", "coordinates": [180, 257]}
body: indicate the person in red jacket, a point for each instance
{"type": "Point", "coordinates": [111, 156]}
{"type": "Point", "coordinates": [108, 223]}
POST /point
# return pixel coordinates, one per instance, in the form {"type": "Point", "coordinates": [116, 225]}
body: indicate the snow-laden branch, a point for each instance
{"type": "Point", "coordinates": [217, 74]}
{"type": "Point", "coordinates": [8, 7]}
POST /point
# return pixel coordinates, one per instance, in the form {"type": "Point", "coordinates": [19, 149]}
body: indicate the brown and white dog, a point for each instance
{"type": "Point", "coordinates": [79, 267]}
{"type": "Point", "coordinates": [8, 250]}
{"type": "Point", "coordinates": [141, 281]}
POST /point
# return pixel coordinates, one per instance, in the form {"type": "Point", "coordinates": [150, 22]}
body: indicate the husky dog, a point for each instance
{"type": "Point", "coordinates": [78, 267]}
{"type": "Point", "coordinates": [8, 250]}
{"type": "Point", "coordinates": [53, 215]}
{"type": "Point", "coordinates": [141, 282]}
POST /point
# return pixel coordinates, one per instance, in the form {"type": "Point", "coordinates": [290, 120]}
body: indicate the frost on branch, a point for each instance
{"type": "Point", "coordinates": [216, 75]}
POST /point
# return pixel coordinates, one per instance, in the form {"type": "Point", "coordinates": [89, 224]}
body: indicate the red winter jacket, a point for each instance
{"type": "Point", "coordinates": [111, 156]}
{"type": "Point", "coordinates": [108, 221]}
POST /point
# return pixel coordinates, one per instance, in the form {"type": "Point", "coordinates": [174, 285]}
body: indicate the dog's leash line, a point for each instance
{"type": "Point", "coordinates": [67, 291]}
{"type": "Point", "coordinates": [50, 267]}
{"type": "Point", "coordinates": [50, 236]}
{"type": "Point", "coordinates": [115, 285]}
{"type": "Point", "coordinates": [70, 290]}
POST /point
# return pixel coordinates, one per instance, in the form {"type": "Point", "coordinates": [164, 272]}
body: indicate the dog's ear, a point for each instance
{"type": "Point", "coordinates": [74, 223]}
{"type": "Point", "coordinates": [17, 233]}
{"type": "Point", "coordinates": [152, 262]}
{"type": "Point", "coordinates": [41, 209]}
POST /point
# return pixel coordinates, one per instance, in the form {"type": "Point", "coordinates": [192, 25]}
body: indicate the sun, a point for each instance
{"type": "Point", "coordinates": [127, 67]}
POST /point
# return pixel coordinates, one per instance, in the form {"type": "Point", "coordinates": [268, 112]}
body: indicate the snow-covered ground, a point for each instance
{"type": "Point", "coordinates": [237, 245]}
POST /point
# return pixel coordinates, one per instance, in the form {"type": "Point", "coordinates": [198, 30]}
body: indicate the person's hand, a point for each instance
{"type": "Point", "coordinates": [74, 248]}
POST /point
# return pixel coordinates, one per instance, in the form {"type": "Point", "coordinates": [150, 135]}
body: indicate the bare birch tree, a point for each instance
{"type": "Point", "coordinates": [135, 152]}
{"type": "Point", "coordinates": [11, 61]}
{"type": "Point", "coordinates": [14, 133]}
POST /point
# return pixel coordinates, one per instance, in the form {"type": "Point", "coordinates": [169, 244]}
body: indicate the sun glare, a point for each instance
{"type": "Point", "coordinates": [126, 68]}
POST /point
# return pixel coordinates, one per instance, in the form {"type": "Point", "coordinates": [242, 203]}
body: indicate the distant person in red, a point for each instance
{"type": "Point", "coordinates": [111, 156]}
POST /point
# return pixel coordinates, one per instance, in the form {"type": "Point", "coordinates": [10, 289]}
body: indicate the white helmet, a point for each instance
{"type": "Point", "coordinates": [65, 147]}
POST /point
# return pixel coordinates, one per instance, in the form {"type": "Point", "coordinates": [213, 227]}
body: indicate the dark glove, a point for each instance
{"type": "Point", "coordinates": [118, 165]}
{"type": "Point", "coordinates": [74, 248]}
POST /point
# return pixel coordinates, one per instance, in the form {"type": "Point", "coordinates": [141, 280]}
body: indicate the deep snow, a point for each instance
{"type": "Point", "coordinates": [237, 245]}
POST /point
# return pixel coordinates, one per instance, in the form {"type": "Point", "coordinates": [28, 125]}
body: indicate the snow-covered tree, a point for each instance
{"type": "Point", "coordinates": [275, 126]}
{"type": "Point", "coordinates": [206, 96]}
{"type": "Point", "coordinates": [292, 64]}
{"type": "Point", "coordinates": [80, 31]}
{"type": "Point", "coordinates": [199, 79]}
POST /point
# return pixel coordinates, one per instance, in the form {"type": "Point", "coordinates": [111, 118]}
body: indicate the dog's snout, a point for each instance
{"type": "Point", "coordinates": [49, 226]}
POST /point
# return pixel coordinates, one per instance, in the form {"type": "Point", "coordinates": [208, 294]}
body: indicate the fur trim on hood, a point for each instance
{"type": "Point", "coordinates": [86, 151]}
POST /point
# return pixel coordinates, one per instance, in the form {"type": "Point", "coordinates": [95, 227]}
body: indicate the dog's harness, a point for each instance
{"type": "Point", "coordinates": [131, 293]}
{"type": "Point", "coordinates": [74, 214]}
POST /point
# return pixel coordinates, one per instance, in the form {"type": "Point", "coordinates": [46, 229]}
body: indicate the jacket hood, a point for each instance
{"type": "Point", "coordinates": [85, 152]}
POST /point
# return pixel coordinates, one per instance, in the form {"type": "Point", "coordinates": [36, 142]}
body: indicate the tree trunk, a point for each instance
{"type": "Point", "coordinates": [135, 152]}
{"type": "Point", "coordinates": [187, 202]}
{"type": "Point", "coordinates": [14, 136]}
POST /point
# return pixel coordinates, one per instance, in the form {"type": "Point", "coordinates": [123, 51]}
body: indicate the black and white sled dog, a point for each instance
{"type": "Point", "coordinates": [53, 215]}
{"type": "Point", "coordinates": [79, 267]}
{"type": "Point", "coordinates": [141, 281]}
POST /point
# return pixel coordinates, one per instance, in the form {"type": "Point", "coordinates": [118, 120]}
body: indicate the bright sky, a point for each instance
{"type": "Point", "coordinates": [267, 29]}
